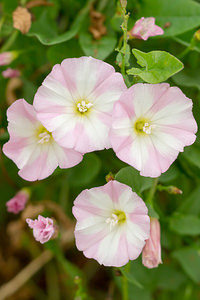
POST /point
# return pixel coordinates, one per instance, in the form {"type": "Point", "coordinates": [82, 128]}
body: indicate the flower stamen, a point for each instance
{"type": "Point", "coordinates": [43, 135]}
{"type": "Point", "coordinates": [83, 107]}
{"type": "Point", "coordinates": [142, 126]}
{"type": "Point", "coordinates": [147, 128]}
{"type": "Point", "coordinates": [118, 217]}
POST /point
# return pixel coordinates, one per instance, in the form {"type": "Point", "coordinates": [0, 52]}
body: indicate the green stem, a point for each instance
{"type": "Point", "coordinates": [152, 192]}
{"type": "Point", "coordinates": [125, 284]}
{"type": "Point", "coordinates": [125, 39]}
{"type": "Point", "coordinates": [10, 41]}
{"type": "Point", "coordinates": [188, 49]}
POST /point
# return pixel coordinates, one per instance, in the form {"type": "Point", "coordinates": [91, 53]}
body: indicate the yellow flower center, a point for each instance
{"type": "Point", "coordinates": [143, 126]}
{"type": "Point", "coordinates": [43, 135]}
{"type": "Point", "coordinates": [83, 106]}
{"type": "Point", "coordinates": [118, 217]}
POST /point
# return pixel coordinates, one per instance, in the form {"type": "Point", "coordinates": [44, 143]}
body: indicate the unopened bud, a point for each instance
{"type": "Point", "coordinates": [197, 35]}
{"type": "Point", "coordinates": [77, 280]}
{"type": "Point", "coordinates": [18, 202]}
{"type": "Point", "coordinates": [174, 190]}
{"type": "Point", "coordinates": [7, 57]}
{"type": "Point", "coordinates": [10, 73]}
{"type": "Point", "coordinates": [151, 253]}
{"type": "Point", "coordinates": [171, 189]}
{"type": "Point", "coordinates": [123, 3]}
{"type": "Point", "coordinates": [110, 177]}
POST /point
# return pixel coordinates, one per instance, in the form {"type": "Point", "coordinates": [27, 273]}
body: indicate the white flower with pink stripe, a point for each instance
{"type": "Point", "coordinates": [112, 224]}
{"type": "Point", "coordinates": [75, 102]}
{"type": "Point", "coordinates": [151, 124]}
{"type": "Point", "coordinates": [32, 147]}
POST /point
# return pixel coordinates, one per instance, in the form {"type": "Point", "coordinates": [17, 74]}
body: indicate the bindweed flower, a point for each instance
{"type": "Point", "coordinates": [151, 124]}
{"type": "Point", "coordinates": [43, 228]}
{"type": "Point", "coordinates": [151, 254]}
{"type": "Point", "coordinates": [75, 102]}
{"type": "Point", "coordinates": [18, 202]}
{"type": "Point", "coordinates": [144, 28]}
{"type": "Point", "coordinates": [112, 224]}
{"type": "Point", "coordinates": [10, 73]}
{"type": "Point", "coordinates": [32, 147]}
{"type": "Point", "coordinates": [7, 57]}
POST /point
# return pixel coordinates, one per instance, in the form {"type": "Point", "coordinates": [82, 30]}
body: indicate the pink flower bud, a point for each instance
{"type": "Point", "coordinates": [151, 254]}
{"type": "Point", "coordinates": [18, 202]}
{"type": "Point", "coordinates": [43, 228]}
{"type": "Point", "coordinates": [10, 73]}
{"type": "Point", "coordinates": [144, 28]}
{"type": "Point", "coordinates": [7, 57]}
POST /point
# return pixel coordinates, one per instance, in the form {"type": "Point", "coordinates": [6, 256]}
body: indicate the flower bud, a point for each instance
{"type": "Point", "coordinates": [10, 73]}
{"type": "Point", "coordinates": [43, 228]}
{"type": "Point", "coordinates": [174, 190]}
{"type": "Point", "coordinates": [18, 202]}
{"type": "Point", "coordinates": [7, 57]}
{"type": "Point", "coordinates": [110, 176]}
{"type": "Point", "coordinates": [197, 35]}
{"type": "Point", "coordinates": [151, 253]}
{"type": "Point", "coordinates": [123, 3]}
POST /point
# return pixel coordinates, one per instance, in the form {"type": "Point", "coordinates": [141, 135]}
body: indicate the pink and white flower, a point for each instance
{"type": "Point", "coordinates": [18, 202]}
{"type": "Point", "coordinates": [75, 102]}
{"type": "Point", "coordinates": [112, 224]}
{"type": "Point", "coordinates": [31, 145]}
{"type": "Point", "coordinates": [10, 73]}
{"type": "Point", "coordinates": [151, 124]}
{"type": "Point", "coordinates": [151, 254]}
{"type": "Point", "coordinates": [43, 228]}
{"type": "Point", "coordinates": [144, 28]}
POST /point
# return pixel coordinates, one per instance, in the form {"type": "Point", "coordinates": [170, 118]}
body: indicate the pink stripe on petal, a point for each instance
{"type": "Point", "coordinates": [58, 73]}
{"type": "Point", "coordinates": [66, 158]}
{"type": "Point", "coordinates": [87, 73]}
{"type": "Point", "coordinates": [41, 165]}
{"type": "Point", "coordinates": [173, 100]}
{"type": "Point", "coordinates": [19, 150]}
{"type": "Point", "coordinates": [108, 92]}
{"type": "Point", "coordinates": [20, 108]}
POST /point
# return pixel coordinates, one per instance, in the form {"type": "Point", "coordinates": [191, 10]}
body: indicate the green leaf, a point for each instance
{"type": "Point", "coordinates": [86, 171]}
{"type": "Point", "coordinates": [44, 32]}
{"type": "Point", "coordinates": [157, 66]}
{"type": "Point", "coordinates": [189, 259]}
{"type": "Point", "coordinates": [59, 52]}
{"type": "Point", "coordinates": [131, 278]}
{"type": "Point", "coordinates": [185, 224]}
{"type": "Point", "coordinates": [9, 6]}
{"type": "Point", "coordinates": [100, 49]}
{"type": "Point", "coordinates": [151, 212]}
{"type": "Point", "coordinates": [168, 278]}
{"type": "Point", "coordinates": [182, 15]}
{"type": "Point", "coordinates": [191, 203]}
{"type": "Point", "coordinates": [127, 56]}
{"type": "Point", "coordinates": [192, 154]}
{"type": "Point", "coordinates": [188, 78]}
{"type": "Point", "coordinates": [132, 178]}
{"type": "Point", "coordinates": [171, 174]}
